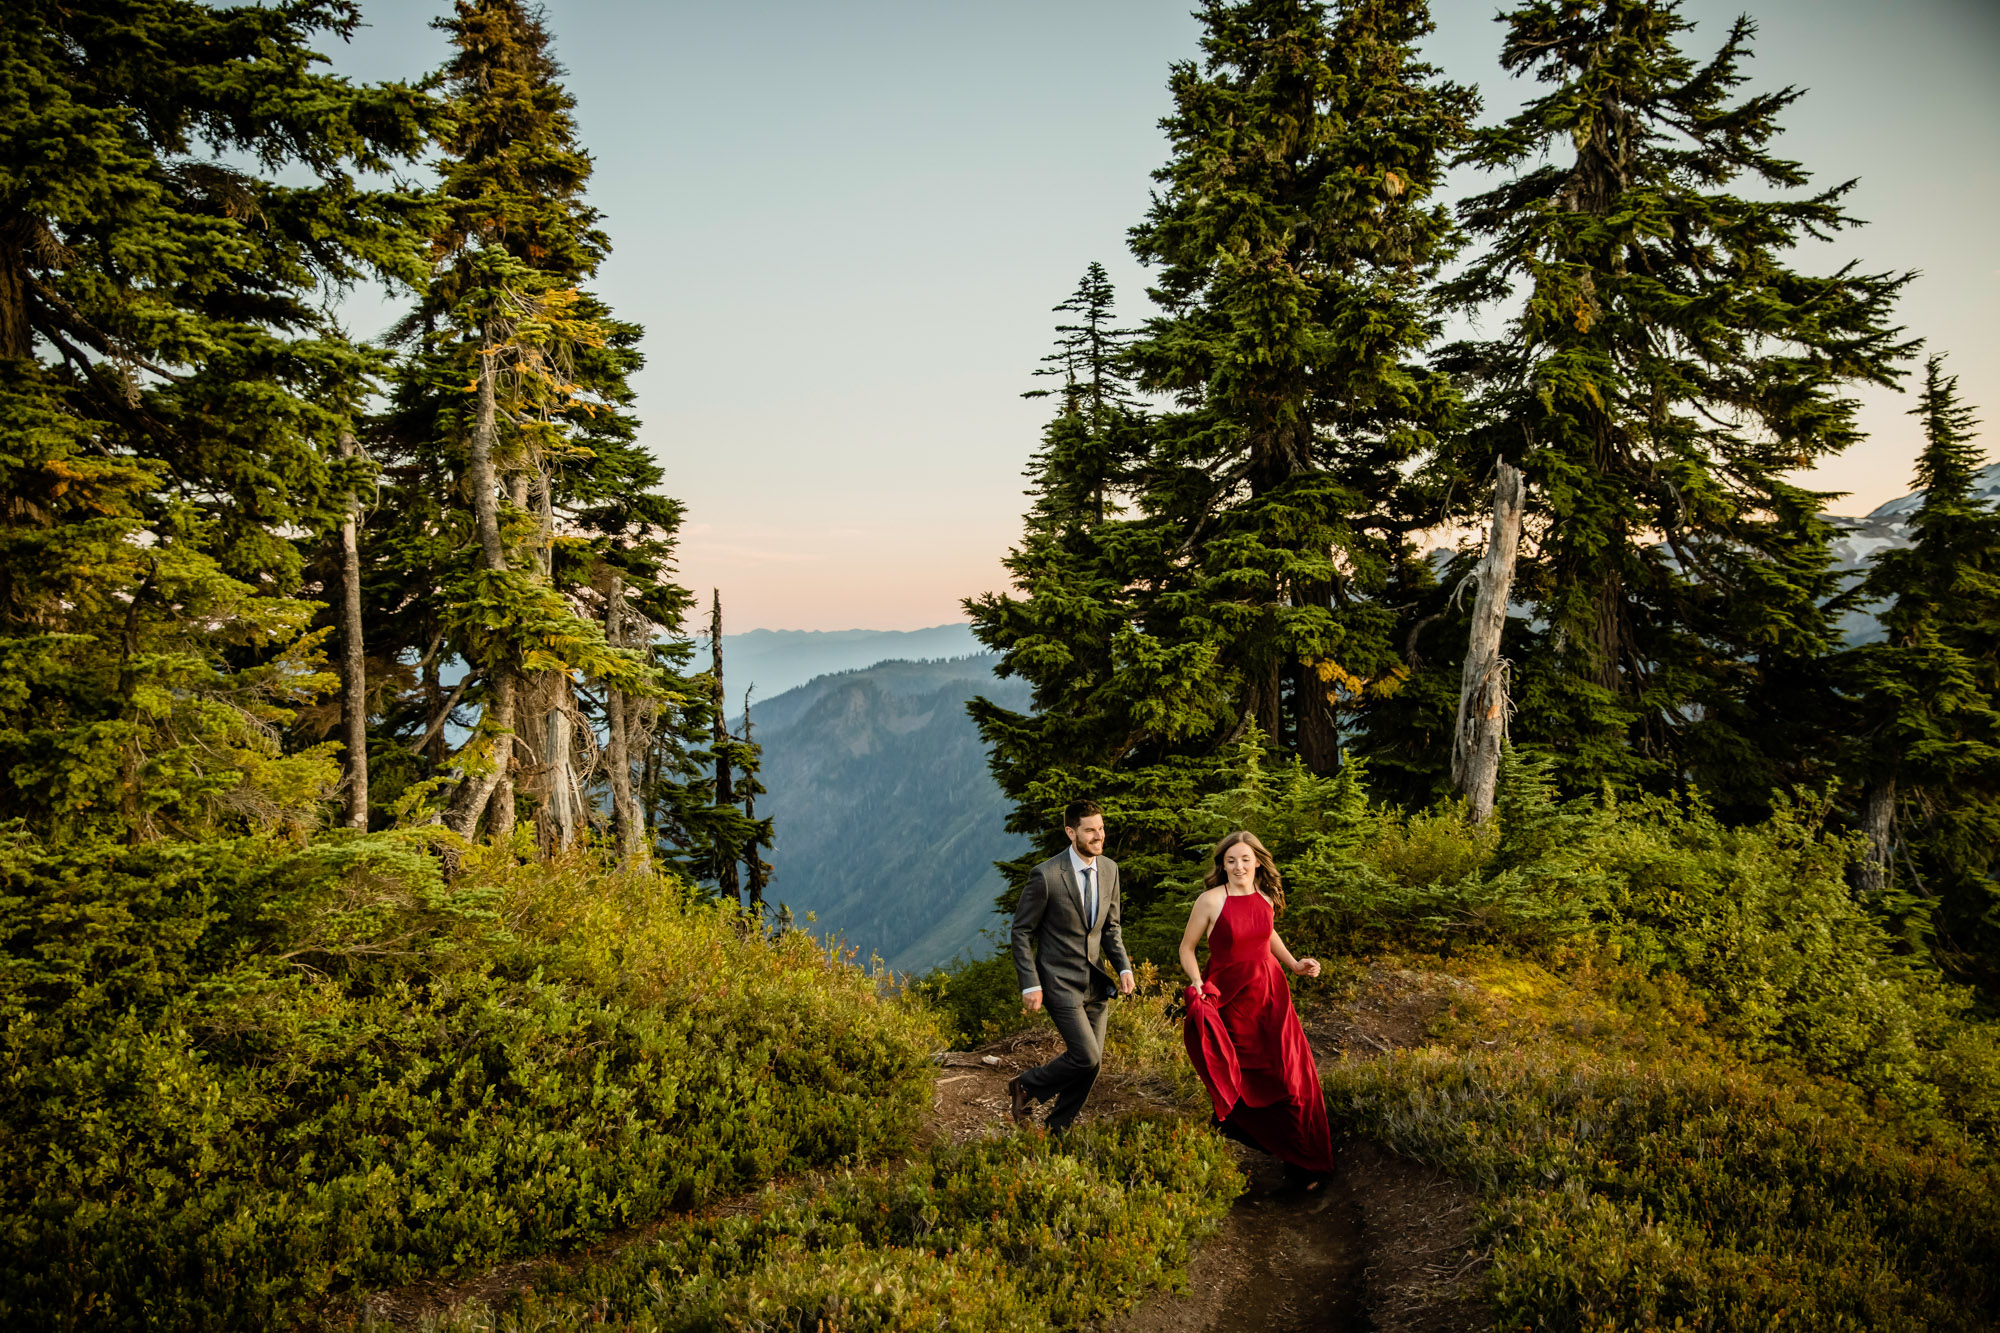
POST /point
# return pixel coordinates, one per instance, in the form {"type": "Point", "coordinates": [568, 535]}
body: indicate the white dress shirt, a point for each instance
{"type": "Point", "coordinates": [1078, 866]}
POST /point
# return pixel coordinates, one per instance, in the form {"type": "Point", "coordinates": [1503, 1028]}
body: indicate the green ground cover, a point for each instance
{"type": "Point", "coordinates": [1694, 1077]}
{"type": "Point", "coordinates": [245, 1077]}
{"type": "Point", "coordinates": [1027, 1231]}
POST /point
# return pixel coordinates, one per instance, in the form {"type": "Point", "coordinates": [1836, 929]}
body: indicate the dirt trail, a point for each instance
{"type": "Point", "coordinates": [1386, 1245]}
{"type": "Point", "coordinates": [1285, 1261]}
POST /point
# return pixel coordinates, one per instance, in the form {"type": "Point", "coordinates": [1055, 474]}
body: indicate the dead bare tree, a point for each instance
{"type": "Point", "coordinates": [1481, 732]}
{"type": "Point", "coordinates": [353, 653]}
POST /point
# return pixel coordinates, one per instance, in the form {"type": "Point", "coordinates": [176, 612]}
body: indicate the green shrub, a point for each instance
{"type": "Point", "coordinates": [1021, 1232]}
{"type": "Point", "coordinates": [1758, 921]}
{"type": "Point", "coordinates": [979, 999]}
{"type": "Point", "coordinates": [1623, 1194]}
{"type": "Point", "coordinates": [243, 1075]}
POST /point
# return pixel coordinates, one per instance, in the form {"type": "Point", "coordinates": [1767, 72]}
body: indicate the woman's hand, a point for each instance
{"type": "Point", "coordinates": [1306, 967]}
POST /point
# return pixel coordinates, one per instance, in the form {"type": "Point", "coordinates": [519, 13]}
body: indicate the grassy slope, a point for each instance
{"type": "Point", "coordinates": [1697, 1082]}
{"type": "Point", "coordinates": [246, 1077]}
{"type": "Point", "coordinates": [1694, 1080]}
{"type": "Point", "coordinates": [1638, 1173]}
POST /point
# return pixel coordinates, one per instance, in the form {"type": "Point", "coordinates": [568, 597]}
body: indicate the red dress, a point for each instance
{"type": "Point", "coordinates": [1246, 1043]}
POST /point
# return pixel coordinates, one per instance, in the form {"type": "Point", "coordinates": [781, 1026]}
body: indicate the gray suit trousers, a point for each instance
{"type": "Point", "coordinates": [1068, 1078]}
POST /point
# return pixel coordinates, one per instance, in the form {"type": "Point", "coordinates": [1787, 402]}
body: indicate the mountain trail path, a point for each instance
{"type": "Point", "coordinates": [1385, 1246]}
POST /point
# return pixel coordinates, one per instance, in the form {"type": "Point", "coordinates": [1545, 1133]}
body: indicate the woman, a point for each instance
{"type": "Point", "coordinates": [1242, 1034]}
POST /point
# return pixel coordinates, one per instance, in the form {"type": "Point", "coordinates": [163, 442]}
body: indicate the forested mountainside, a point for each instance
{"type": "Point", "coordinates": [888, 821]}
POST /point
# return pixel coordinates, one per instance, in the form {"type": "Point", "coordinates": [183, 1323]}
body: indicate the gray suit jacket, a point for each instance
{"type": "Point", "coordinates": [1069, 963]}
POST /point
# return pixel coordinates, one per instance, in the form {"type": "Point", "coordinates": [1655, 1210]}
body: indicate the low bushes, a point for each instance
{"type": "Point", "coordinates": [1020, 1232]}
{"type": "Point", "coordinates": [1757, 922]}
{"type": "Point", "coordinates": [242, 1076]}
{"type": "Point", "coordinates": [1634, 1193]}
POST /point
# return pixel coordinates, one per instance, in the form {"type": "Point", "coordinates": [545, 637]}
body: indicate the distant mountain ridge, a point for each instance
{"type": "Point", "coordinates": [775, 661]}
{"type": "Point", "coordinates": [888, 822]}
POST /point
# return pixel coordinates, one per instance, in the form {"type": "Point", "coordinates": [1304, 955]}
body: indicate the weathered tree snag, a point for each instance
{"type": "Point", "coordinates": [1878, 822]}
{"type": "Point", "coordinates": [625, 831]}
{"type": "Point", "coordinates": [562, 810]}
{"type": "Point", "coordinates": [725, 868]}
{"type": "Point", "coordinates": [1482, 694]}
{"type": "Point", "coordinates": [353, 663]}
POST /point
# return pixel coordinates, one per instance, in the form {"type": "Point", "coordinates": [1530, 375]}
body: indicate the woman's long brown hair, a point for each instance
{"type": "Point", "coordinates": [1268, 881]}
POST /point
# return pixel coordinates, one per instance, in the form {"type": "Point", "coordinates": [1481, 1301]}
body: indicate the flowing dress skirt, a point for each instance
{"type": "Point", "coordinates": [1246, 1043]}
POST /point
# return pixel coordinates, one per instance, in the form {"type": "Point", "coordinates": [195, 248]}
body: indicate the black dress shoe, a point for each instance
{"type": "Point", "coordinates": [1021, 1111]}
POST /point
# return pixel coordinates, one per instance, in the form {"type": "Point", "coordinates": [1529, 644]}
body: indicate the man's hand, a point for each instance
{"type": "Point", "coordinates": [1125, 983]}
{"type": "Point", "coordinates": [1032, 1001]}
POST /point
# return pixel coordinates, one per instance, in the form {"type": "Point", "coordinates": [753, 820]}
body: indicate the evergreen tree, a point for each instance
{"type": "Point", "coordinates": [174, 396]}
{"type": "Point", "coordinates": [1244, 579]}
{"type": "Point", "coordinates": [1063, 633]}
{"type": "Point", "coordinates": [1297, 235]}
{"type": "Point", "coordinates": [511, 425]}
{"type": "Point", "coordinates": [1924, 755]}
{"type": "Point", "coordinates": [1666, 371]}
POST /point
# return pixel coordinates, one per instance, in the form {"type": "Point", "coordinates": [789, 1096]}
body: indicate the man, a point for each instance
{"type": "Point", "coordinates": [1067, 921]}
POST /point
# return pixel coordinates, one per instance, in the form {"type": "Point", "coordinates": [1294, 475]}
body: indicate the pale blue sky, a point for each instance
{"type": "Point", "coordinates": [843, 225]}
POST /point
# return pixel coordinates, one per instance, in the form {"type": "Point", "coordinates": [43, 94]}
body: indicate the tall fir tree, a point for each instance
{"type": "Point", "coordinates": [180, 193]}
{"type": "Point", "coordinates": [1923, 756]}
{"type": "Point", "coordinates": [1664, 375]}
{"type": "Point", "coordinates": [1250, 585]}
{"type": "Point", "coordinates": [1063, 631]}
{"type": "Point", "coordinates": [1297, 233]}
{"type": "Point", "coordinates": [526, 534]}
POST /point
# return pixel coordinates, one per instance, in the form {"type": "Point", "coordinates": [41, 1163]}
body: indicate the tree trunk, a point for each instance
{"type": "Point", "coordinates": [560, 813]}
{"type": "Point", "coordinates": [506, 706]}
{"type": "Point", "coordinates": [432, 740]}
{"type": "Point", "coordinates": [353, 663]}
{"type": "Point", "coordinates": [545, 495]}
{"type": "Point", "coordinates": [618, 755]}
{"type": "Point", "coordinates": [1878, 822]}
{"type": "Point", "coordinates": [1317, 723]}
{"type": "Point", "coordinates": [725, 868]}
{"type": "Point", "coordinates": [17, 336]}
{"type": "Point", "coordinates": [1482, 694]}
{"type": "Point", "coordinates": [479, 474]}
{"type": "Point", "coordinates": [496, 788]}
{"type": "Point", "coordinates": [563, 801]}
